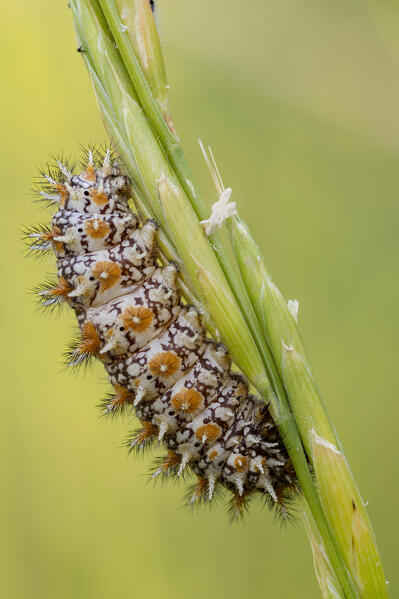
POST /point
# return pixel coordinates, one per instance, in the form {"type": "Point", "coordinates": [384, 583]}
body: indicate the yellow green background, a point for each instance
{"type": "Point", "coordinates": [300, 102]}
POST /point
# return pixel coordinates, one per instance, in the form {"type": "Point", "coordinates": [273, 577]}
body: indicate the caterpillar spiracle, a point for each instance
{"type": "Point", "coordinates": [159, 358]}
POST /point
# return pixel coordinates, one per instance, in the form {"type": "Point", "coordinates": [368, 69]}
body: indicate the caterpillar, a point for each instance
{"type": "Point", "coordinates": [161, 362]}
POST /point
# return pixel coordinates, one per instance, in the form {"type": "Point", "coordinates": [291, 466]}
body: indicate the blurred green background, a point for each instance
{"type": "Point", "coordinates": [300, 102]}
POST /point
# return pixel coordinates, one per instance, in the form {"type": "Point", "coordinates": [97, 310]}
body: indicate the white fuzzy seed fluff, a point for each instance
{"type": "Point", "coordinates": [221, 210]}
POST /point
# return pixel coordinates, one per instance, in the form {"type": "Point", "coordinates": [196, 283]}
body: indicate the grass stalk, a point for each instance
{"type": "Point", "coordinates": [122, 53]}
{"type": "Point", "coordinates": [339, 496]}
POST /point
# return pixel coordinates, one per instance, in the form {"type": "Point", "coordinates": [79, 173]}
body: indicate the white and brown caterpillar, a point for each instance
{"type": "Point", "coordinates": [159, 358]}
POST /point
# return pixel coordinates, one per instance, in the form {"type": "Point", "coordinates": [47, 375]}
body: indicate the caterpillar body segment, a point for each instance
{"type": "Point", "coordinates": [127, 323]}
{"type": "Point", "coordinates": [97, 277]}
{"type": "Point", "coordinates": [156, 351]}
{"type": "Point", "coordinates": [76, 233]}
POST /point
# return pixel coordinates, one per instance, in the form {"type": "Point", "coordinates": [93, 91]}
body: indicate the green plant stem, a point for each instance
{"type": "Point", "coordinates": [132, 116]}
{"type": "Point", "coordinates": [339, 496]}
{"type": "Point", "coordinates": [280, 408]}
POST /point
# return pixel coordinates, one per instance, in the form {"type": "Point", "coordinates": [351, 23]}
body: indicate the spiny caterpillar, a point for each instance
{"type": "Point", "coordinates": [159, 358]}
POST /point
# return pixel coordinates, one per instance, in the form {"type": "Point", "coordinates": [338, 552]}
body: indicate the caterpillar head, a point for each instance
{"type": "Point", "coordinates": [101, 188]}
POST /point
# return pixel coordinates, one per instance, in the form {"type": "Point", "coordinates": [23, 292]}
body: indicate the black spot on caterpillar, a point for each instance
{"type": "Point", "coordinates": [155, 349]}
{"type": "Point", "coordinates": [152, 4]}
